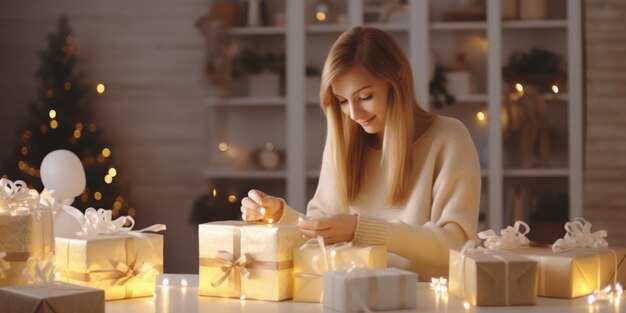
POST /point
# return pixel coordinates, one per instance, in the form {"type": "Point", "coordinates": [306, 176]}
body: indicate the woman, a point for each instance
{"type": "Point", "coordinates": [392, 174]}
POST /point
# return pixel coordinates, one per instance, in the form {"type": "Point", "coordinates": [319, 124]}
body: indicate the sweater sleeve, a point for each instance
{"type": "Point", "coordinates": [453, 213]}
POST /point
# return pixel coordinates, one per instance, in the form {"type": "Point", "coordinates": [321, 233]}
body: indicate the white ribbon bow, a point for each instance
{"type": "Point", "coordinates": [579, 235]}
{"type": "Point", "coordinates": [40, 272]}
{"type": "Point", "coordinates": [229, 265]}
{"type": "Point", "coordinates": [16, 195]}
{"type": "Point", "coordinates": [327, 253]}
{"type": "Point", "coordinates": [510, 238]}
{"type": "Point", "coordinates": [4, 265]}
{"type": "Point", "coordinates": [51, 204]}
{"type": "Point", "coordinates": [100, 222]}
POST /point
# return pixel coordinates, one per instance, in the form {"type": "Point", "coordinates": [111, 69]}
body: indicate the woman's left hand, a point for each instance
{"type": "Point", "coordinates": [334, 228]}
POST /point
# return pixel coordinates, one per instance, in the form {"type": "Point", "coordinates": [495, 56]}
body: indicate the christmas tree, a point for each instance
{"type": "Point", "coordinates": [61, 118]}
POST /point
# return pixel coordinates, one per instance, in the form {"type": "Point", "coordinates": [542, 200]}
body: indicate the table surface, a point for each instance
{"type": "Point", "coordinates": [180, 299]}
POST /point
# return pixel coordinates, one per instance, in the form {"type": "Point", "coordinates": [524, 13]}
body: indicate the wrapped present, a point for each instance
{"type": "Point", "coordinates": [108, 255]}
{"type": "Point", "coordinates": [48, 296]}
{"type": "Point", "coordinates": [314, 258]}
{"type": "Point", "coordinates": [577, 264]}
{"type": "Point", "coordinates": [26, 230]}
{"type": "Point", "coordinates": [362, 290]}
{"type": "Point", "coordinates": [247, 260]}
{"type": "Point", "coordinates": [486, 277]}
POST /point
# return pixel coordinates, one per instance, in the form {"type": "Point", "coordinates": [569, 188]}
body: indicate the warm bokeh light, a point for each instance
{"type": "Point", "coordinates": [232, 198]}
{"type": "Point", "coordinates": [52, 113]}
{"type": "Point", "coordinates": [222, 146]}
{"type": "Point", "coordinates": [67, 86]}
{"type": "Point", "coordinates": [79, 126]}
{"type": "Point", "coordinates": [24, 150]}
{"type": "Point", "coordinates": [106, 152]}
{"type": "Point", "coordinates": [97, 195]}
{"type": "Point", "coordinates": [54, 124]}
{"type": "Point", "coordinates": [214, 192]}
{"type": "Point", "coordinates": [320, 16]}
{"type": "Point", "coordinates": [480, 116]}
{"type": "Point", "coordinates": [108, 179]}
{"type": "Point", "coordinates": [92, 127]}
{"type": "Point", "coordinates": [466, 305]}
{"type": "Point", "coordinates": [77, 133]}
{"type": "Point", "coordinates": [519, 88]}
{"type": "Point", "coordinates": [555, 88]}
{"type": "Point", "coordinates": [100, 88]}
{"type": "Point", "coordinates": [112, 172]}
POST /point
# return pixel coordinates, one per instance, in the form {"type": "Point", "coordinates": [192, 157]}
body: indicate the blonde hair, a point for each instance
{"type": "Point", "coordinates": [379, 55]}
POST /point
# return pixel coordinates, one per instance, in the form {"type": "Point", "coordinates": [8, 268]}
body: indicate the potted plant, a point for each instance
{"type": "Point", "coordinates": [539, 67]}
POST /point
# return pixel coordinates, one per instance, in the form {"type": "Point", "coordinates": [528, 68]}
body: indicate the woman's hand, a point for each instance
{"type": "Point", "coordinates": [334, 229]}
{"type": "Point", "coordinates": [258, 206]}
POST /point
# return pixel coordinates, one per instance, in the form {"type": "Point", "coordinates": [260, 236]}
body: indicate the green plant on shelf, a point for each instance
{"type": "Point", "coordinates": [539, 67]}
{"type": "Point", "coordinates": [253, 62]}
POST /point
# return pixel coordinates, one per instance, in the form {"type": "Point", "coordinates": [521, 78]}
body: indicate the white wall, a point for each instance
{"type": "Point", "coordinates": [150, 57]}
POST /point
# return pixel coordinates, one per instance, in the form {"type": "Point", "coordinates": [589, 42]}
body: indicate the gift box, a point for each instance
{"type": "Point", "coordinates": [310, 262]}
{"type": "Point", "coordinates": [578, 272]}
{"type": "Point", "coordinates": [124, 265]}
{"type": "Point", "coordinates": [247, 260]}
{"type": "Point", "coordinates": [26, 230]}
{"type": "Point", "coordinates": [55, 298]}
{"type": "Point", "coordinates": [490, 278]}
{"type": "Point", "coordinates": [370, 289]}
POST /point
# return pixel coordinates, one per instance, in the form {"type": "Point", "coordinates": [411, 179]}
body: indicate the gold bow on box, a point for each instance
{"type": "Point", "coordinates": [247, 260]}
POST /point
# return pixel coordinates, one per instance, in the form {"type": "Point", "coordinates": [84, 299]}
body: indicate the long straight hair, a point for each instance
{"type": "Point", "coordinates": [379, 55]}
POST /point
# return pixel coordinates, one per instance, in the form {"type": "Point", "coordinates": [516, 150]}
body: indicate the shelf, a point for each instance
{"type": "Point", "coordinates": [536, 172]}
{"type": "Point", "coordinates": [539, 24]}
{"type": "Point", "coordinates": [244, 174]}
{"type": "Point", "coordinates": [390, 27]}
{"type": "Point", "coordinates": [330, 28]}
{"type": "Point", "coordinates": [461, 26]}
{"type": "Point", "coordinates": [246, 102]}
{"type": "Point", "coordinates": [261, 30]}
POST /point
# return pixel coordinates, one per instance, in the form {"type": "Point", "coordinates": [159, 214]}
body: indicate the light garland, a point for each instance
{"type": "Point", "coordinates": [610, 294]}
{"type": "Point", "coordinates": [439, 285]}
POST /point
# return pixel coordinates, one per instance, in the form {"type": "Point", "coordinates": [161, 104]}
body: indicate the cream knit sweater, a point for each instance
{"type": "Point", "coordinates": [441, 213]}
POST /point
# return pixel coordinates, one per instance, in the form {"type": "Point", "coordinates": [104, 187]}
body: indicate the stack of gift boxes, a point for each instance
{"type": "Point", "coordinates": [107, 260]}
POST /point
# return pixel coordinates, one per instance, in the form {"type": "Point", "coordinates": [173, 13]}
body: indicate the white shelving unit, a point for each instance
{"type": "Point", "coordinates": [297, 124]}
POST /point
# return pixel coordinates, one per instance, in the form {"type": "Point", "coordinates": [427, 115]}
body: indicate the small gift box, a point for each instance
{"type": "Point", "coordinates": [492, 278]}
{"type": "Point", "coordinates": [48, 296]}
{"type": "Point", "coordinates": [361, 290]}
{"type": "Point", "coordinates": [313, 258]}
{"type": "Point", "coordinates": [107, 255]}
{"type": "Point", "coordinates": [578, 264]}
{"type": "Point", "coordinates": [26, 230]}
{"type": "Point", "coordinates": [247, 260]}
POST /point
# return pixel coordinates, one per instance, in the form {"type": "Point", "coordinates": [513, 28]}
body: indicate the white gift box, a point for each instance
{"type": "Point", "coordinates": [370, 289]}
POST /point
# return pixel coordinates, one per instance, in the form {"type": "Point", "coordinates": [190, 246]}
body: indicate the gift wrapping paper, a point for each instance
{"type": "Point", "coordinates": [251, 260]}
{"type": "Point", "coordinates": [24, 234]}
{"type": "Point", "coordinates": [578, 272]}
{"type": "Point", "coordinates": [493, 278]}
{"type": "Point", "coordinates": [309, 264]}
{"type": "Point", "coordinates": [125, 266]}
{"type": "Point", "coordinates": [56, 298]}
{"type": "Point", "coordinates": [370, 289]}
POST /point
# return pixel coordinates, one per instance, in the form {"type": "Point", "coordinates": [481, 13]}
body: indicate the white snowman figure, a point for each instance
{"type": "Point", "coordinates": [63, 177]}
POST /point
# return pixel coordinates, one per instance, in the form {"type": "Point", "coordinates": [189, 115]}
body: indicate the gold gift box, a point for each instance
{"type": "Point", "coordinates": [125, 266]}
{"type": "Point", "coordinates": [59, 297]}
{"type": "Point", "coordinates": [268, 250]}
{"type": "Point", "coordinates": [481, 279]}
{"type": "Point", "coordinates": [309, 279]}
{"type": "Point", "coordinates": [578, 272]}
{"type": "Point", "coordinates": [24, 234]}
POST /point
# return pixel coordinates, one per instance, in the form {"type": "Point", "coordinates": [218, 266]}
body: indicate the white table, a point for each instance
{"type": "Point", "coordinates": [180, 299]}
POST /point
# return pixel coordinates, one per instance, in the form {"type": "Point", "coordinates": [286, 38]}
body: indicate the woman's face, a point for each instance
{"type": "Point", "coordinates": [363, 98]}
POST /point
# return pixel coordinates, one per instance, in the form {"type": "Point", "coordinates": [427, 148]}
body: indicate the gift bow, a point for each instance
{"type": "Point", "coordinates": [330, 266]}
{"type": "Point", "coordinates": [230, 264]}
{"type": "Point", "coordinates": [40, 272]}
{"type": "Point", "coordinates": [4, 265]}
{"type": "Point", "coordinates": [510, 238]}
{"type": "Point", "coordinates": [579, 235]}
{"type": "Point", "coordinates": [16, 195]}
{"type": "Point", "coordinates": [46, 201]}
{"type": "Point", "coordinates": [100, 222]}
{"type": "Point", "coordinates": [130, 271]}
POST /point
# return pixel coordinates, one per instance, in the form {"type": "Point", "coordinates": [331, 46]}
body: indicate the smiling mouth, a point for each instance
{"type": "Point", "coordinates": [368, 121]}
